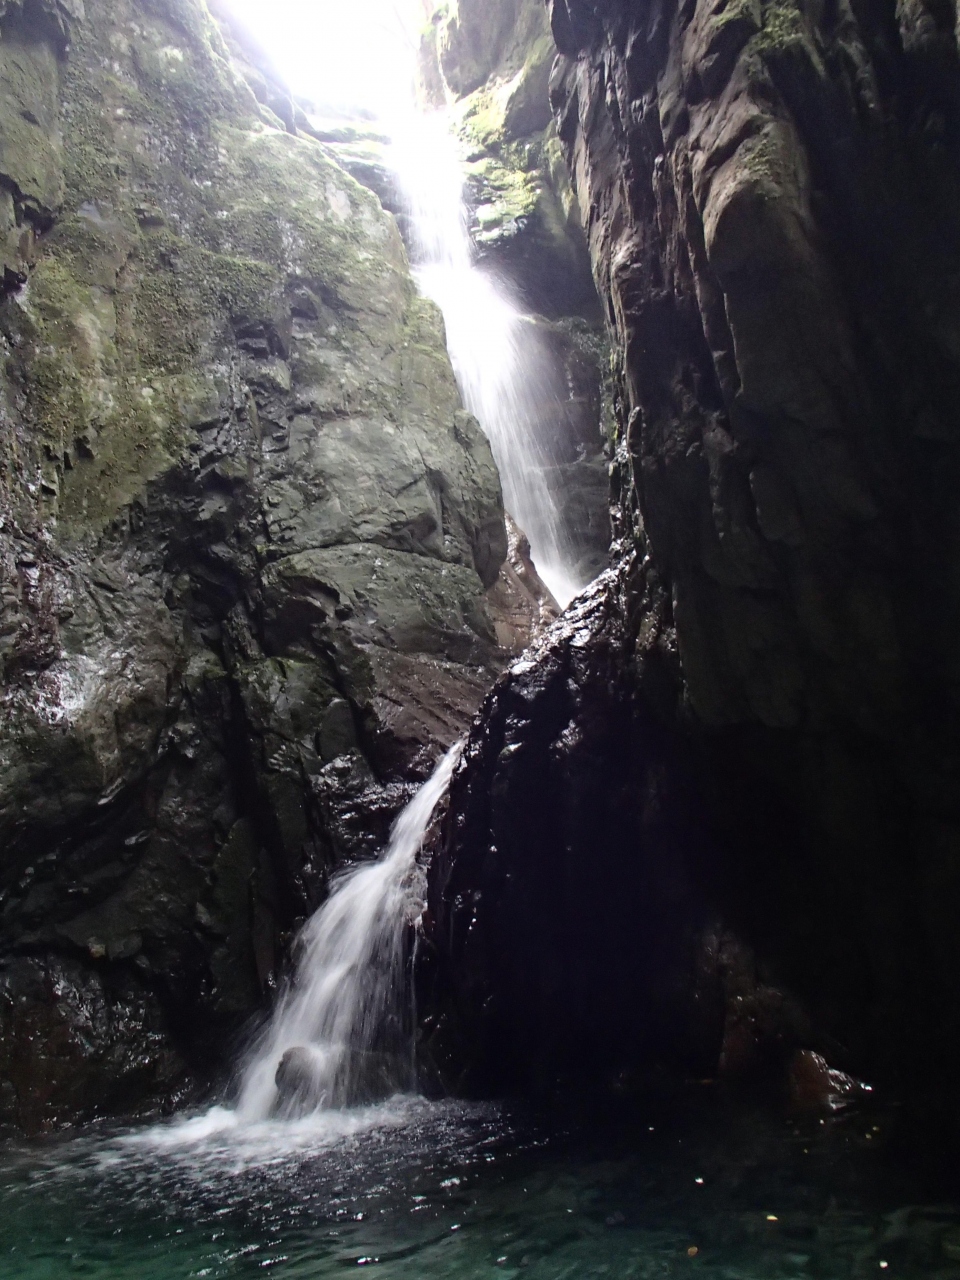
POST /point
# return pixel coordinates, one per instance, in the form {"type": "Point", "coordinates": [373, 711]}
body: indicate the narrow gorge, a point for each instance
{"type": "Point", "coordinates": [479, 526]}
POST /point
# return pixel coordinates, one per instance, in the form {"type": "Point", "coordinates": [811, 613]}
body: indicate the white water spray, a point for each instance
{"type": "Point", "coordinates": [328, 1041]}
{"type": "Point", "coordinates": [507, 376]}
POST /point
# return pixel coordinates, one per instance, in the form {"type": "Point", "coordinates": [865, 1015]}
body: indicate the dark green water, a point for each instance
{"type": "Point", "coordinates": [418, 1190]}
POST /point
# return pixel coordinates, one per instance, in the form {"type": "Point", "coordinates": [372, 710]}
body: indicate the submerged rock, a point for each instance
{"type": "Point", "coordinates": [815, 1086]}
{"type": "Point", "coordinates": [296, 1080]}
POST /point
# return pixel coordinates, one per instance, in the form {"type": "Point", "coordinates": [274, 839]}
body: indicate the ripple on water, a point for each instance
{"type": "Point", "coordinates": [420, 1190]}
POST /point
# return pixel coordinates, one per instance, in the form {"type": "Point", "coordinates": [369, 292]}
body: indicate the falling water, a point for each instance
{"type": "Point", "coordinates": [328, 1041]}
{"type": "Point", "coordinates": [334, 1038]}
{"type": "Point", "coordinates": [507, 375]}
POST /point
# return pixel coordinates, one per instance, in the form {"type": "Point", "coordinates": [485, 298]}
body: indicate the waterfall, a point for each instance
{"type": "Point", "coordinates": [335, 1036]}
{"type": "Point", "coordinates": [334, 1039]}
{"type": "Point", "coordinates": [507, 375]}
{"type": "Point", "coordinates": [362, 59]}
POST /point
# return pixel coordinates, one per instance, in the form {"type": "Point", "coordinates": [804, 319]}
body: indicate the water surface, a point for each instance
{"type": "Point", "coordinates": [421, 1190]}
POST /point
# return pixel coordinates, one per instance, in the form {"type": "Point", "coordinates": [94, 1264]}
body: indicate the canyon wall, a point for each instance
{"type": "Point", "coordinates": [744, 739]}
{"type": "Point", "coordinates": [246, 532]}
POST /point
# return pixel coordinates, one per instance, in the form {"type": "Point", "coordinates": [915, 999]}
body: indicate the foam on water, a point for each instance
{"type": "Point", "coordinates": [223, 1140]}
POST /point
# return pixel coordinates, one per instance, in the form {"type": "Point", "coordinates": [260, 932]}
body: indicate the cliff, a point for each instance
{"type": "Point", "coordinates": [752, 720]}
{"type": "Point", "coordinates": [252, 549]}
{"type": "Point", "coordinates": [246, 531]}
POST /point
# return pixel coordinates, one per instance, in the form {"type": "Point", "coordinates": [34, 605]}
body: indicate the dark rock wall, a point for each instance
{"type": "Point", "coordinates": [770, 192]}
{"type": "Point", "coordinates": [246, 532]}
{"type": "Point", "coordinates": [570, 936]}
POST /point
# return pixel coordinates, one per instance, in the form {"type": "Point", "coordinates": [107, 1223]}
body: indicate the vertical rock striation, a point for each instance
{"type": "Point", "coordinates": [246, 530]}
{"type": "Point", "coordinates": [770, 193]}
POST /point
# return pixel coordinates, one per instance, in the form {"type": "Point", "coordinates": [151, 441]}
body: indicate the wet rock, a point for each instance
{"type": "Point", "coordinates": [779, 293]}
{"type": "Point", "coordinates": [521, 604]}
{"type": "Point", "coordinates": [566, 926]}
{"type": "Point", "coordinates": [492, 63]}
{"type": "Point", "coordinates": [80, 1043]}
{"type": "Point", "coordinates": [815, 1086]}
{"type": "Point", "coordinates": [297, 1079]}
{"type": "Point", "coordinates": [769, 196]}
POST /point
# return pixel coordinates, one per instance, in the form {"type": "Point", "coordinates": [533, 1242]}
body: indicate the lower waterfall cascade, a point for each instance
{"type": "Point", "coordinates": [322, 1045]}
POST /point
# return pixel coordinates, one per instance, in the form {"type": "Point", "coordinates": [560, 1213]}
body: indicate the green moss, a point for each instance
{"type": "Point", "coordinates": [57, 402]}
{"type": "Point", "coordinates": [765, 160]}
{"type": "Point", "coordinates": [481, 121]}
{"type": "Point", "coordinates": [243, 287]}
{"type": "Point", "coordinates": [30, 154]}
{"type": "Point", "coordinates": [741, 11]}
{"type": "Point", "coordinates": [178, 91]}
{"type": "Point", "coordinates": [183, 217]}
{"type": "Point", "coordinates": [515, 165]}
{"type": "Point", "coordinates": [506, 194]}
{"type": "Point", "coordinates": [189, 87]}
{"type": "Point", "coordinates": [782, 26]}
{"type": "Point", "coordinates": [166, 323]}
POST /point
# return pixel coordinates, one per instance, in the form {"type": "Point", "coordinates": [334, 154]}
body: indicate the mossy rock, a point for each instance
{"type": "Point", "coordinates": [216, 367]}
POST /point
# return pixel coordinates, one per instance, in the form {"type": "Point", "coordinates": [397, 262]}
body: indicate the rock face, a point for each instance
{"type": "Point", "coordinates": [568, 918]}
{"type": "Point", "coordinates": [246, 531]}
{"type": "Point", "coordinates": [489, 62]}
{"type": "Point", "coordinates": [520, 602]}
{"type": "Point", "coordinates": [770, 193]}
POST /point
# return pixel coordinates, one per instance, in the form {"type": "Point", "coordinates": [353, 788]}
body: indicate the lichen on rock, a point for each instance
{"type": "Point", "coordinates": [488, 66]}
{"type": "Point", "coordinates": [492, 64]}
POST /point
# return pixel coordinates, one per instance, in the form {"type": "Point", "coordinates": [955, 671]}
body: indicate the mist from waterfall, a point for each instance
{"type": "Point", "coordinates": [507, 375]}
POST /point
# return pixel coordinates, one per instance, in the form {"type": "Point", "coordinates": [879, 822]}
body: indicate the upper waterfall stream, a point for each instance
{"type": "Point", "coordinates": [362, 61]}
{"type": "Point", "coordinates": [508, 377]}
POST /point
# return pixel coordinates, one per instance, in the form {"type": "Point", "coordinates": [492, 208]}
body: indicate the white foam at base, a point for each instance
{"type": "Point", "coordinates": [222, 1137]}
